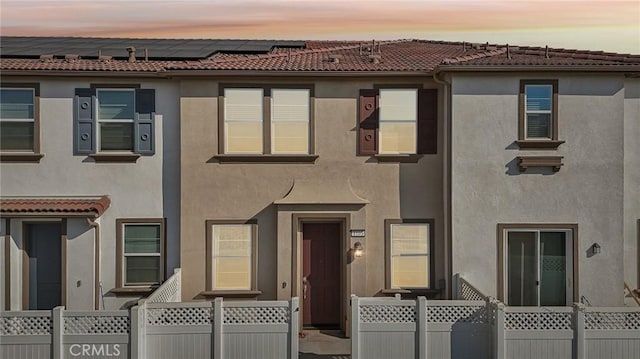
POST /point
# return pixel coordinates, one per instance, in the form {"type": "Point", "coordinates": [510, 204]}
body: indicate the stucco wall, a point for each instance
{"type": "Point", "coordinates": [632, 183]}
{"type": "Point", "coordinates": [488, 189]}
{"type": "Point", "coordinates": [148, 188]}
{"type": "Point", "coordinates": [212, 190]}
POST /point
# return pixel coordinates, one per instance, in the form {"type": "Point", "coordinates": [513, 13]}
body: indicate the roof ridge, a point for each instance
{"type": "Point", "coordinates": [244, 57]}
{"type": "Point", "coordinates": [478, 55]}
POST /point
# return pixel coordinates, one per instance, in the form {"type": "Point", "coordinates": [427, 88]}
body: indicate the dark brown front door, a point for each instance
{"type": "Point", "coordinates": [44, 253]}
{"type": "Point", "coordinates": [321, 274]}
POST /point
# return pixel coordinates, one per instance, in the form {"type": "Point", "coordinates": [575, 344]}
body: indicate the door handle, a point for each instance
{"type": "Point", "coordinates": [304, 287]}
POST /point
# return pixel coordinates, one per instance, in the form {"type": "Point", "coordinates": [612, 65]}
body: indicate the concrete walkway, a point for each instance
{"type": "Point", "coordinates": [324, 344]}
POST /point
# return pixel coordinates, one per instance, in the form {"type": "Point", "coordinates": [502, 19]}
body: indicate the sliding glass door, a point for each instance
{"type": "Point", "coordinates": [539, 267]}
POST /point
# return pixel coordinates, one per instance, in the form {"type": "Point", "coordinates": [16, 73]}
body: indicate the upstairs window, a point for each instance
{"type": "Point", "coordinates": [18, 118]}
{"type": "Point", "coordinates": [265, 120]}
{"type": "Point", "coordinates": [538, 117]}
{"type": "Point", "coordinates": [398, 121]}
{"type": "Point", "coordinates": [110, 119]}
{"type": "Point", "coordinates": [116, 111]}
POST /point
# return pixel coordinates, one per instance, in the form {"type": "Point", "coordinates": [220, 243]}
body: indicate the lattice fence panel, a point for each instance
{"type": "Point", "coordinates": [612, 320]}
{"type": "Point", "coordinates": [26, 326]}
{"type": "Point", "coordinates": [165, 293]}
{"type": "Point", "coordinates": [538, 321]}
{"type": "Point", "coordinates": [457, 314]}
{"type": "Point", "coordinates": [256, 315]}
{"type": "Point", "coordinates": [96, 324]}
{"type": "Point", "coordinates": [468, 292]}
{"type": "Point", "coordinates": [387, 313]}
{"type": "Point", "coordinates": [180, 316]}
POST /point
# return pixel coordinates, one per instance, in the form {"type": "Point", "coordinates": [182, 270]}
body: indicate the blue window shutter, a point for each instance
{"type": "Point", "coordinates": [84, 126]}
{"type": "Point", "coordinates": [144, 131]}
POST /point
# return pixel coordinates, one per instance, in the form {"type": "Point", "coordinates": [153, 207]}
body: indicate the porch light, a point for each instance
{"type": "Point", "coordinates": [358, 249]}
{"type": "Point", "coordinates": [595, 248]}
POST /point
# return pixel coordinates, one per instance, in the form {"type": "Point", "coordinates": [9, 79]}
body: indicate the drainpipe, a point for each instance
{"type": "Point", "coordinates": [97, 284]}
{"type": "Point", "coordinates": [448, 258]}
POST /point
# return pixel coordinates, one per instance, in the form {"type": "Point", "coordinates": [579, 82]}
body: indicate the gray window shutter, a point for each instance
{"type": "Point", "coordinates": [144, 132]}
{"type": "Point", "coordinates": [84, 127]}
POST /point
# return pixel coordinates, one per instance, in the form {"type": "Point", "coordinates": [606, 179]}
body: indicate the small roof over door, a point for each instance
{"type": "Point", "coordinates": [321, 191]}
{"type": "Point", "coordinates": [57, 206]}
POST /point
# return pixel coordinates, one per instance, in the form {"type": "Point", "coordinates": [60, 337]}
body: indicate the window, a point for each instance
{"type": "Point", "coordinates": [116, 109]}
{"type": "Point", "coordinates": [272, 121]}
{"type": "Point", "coordinates": [141, 252]}
{"type": "Point", "coordinates": [398, 121]}
{"type": "Point", "coordinates": [409, 248]}
{"type": "Point", "coordinates": [231, 256]}
{"type": "Point", "coordinates": [538, 263]}
{"type": "Point", "coordinates": [538, 124]}
{"type": "Point", "coordinates": [19, 118]}
{"type": "Point", "coordinates": [114, 119]}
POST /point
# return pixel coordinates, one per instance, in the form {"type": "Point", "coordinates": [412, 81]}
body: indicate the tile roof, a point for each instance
{"type": "Point", "coordinates": [351, 56]}
{"type": "Point", "coordinates": [94, 206]}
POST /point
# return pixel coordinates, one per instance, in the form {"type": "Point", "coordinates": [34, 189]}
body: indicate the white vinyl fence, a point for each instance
{"type": "Point", "coordinates": [169, 291]}
{"type": "Point", "coordinates": [394, 328]}
{"type": "Point", "coordinates": [230, 330]}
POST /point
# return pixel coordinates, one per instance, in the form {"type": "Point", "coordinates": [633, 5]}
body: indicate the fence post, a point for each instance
{"type": "Point", "coordinates": [139, 330]}
{"type": "Point", "coordinates": [294, 312]}
{"type": "Point", "coordinates": [421, 326]}
{"type": "Point", "coordinates": [499, 342]}
{"type": "Point", "coordinates": [355, 327]}
{"type": "Point", "coordinates": [578, 330]}
{"type": "Point", "coordinates": [58, 332]}
{"type": "Point", "coordinates": [218, 319]}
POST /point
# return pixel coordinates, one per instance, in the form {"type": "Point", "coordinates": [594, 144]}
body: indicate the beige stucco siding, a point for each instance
{"type": "Point", "coordinates": [488, 189]}
{"type": "Point", "coordinates": [212, 190]}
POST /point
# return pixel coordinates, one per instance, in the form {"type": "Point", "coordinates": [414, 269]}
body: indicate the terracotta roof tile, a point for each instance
{"type": "Point", "coordinates": [58, 206]}
{"type": "Point", "coordinates": [350, 56]}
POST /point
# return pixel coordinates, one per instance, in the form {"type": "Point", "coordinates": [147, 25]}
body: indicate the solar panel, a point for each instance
{"type": "Point", "coordinates": [25, 46]}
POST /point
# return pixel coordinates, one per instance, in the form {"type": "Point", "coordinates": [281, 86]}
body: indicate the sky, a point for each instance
{"type": "Point", "coordinates": [579, 24]}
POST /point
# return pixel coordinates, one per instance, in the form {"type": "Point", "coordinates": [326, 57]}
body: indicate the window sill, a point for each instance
{"type": "Point", "coordinates": [231, 293]}
{"type": "Point", "coordinates": [133, 291]}
{"type": "Point", "coordinates": [539, 144]}
{"type": "Point", "coordinates": [555, 162]}
{"type": "Point", "coordinates": [408, 158]}
{"type": "Point", "coordinates": [265, 158]}
{"type": "Point", "coordinates": [21, 157]}
{"type": "Point", "coordinates": [115, 157]}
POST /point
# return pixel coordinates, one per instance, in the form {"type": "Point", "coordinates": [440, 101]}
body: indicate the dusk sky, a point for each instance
{"type": "Point", "coordinates": [582, 24]}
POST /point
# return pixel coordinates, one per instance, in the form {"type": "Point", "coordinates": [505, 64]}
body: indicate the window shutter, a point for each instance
{"type": "Point", "coordinates": [368, 123]}
{"type": "Point", "coordinates": [84, 127]}
{"type": "Point", "coordinates": [428, 121]}
{"type": "Point", "coordinates": [144, 132]}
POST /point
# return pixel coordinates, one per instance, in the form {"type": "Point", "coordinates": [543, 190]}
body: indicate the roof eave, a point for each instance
{"type": "Point", "coordinates": [534, 68]}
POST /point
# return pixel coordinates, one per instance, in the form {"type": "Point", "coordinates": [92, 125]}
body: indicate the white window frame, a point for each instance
{"type": "Point", "coordinates": [252, 256]}
{"type": "Point", "coordinates": [427, 254]}
{"type": "Point", "coordinates": [99, 121]}
{"type": "Point", "coordinates": [125, 282]}
{"type": "Point", "coordinates": [307, 121]}
{"type": "Point", "coordinates": [414, 121]}
{"type": "Point", "coordinates": [226, 121]}
{"type": "Point", "coordinates": [32, 120]}
{"type": "Point", "coordinates": [569, 239]}
{"type": "Point", "coordinates": [544, 112]}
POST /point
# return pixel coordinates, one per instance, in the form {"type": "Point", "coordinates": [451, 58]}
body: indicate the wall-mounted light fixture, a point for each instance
{"type": "Point", "coordinates": [595, 248]}
{"type": "Point", "coordinates": [358, 249]}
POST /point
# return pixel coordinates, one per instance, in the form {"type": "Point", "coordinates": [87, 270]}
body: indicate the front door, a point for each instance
{"type": "Point", "coordinates": [321, 275]}
{"type": "Point", "coordinates": [44, 252]}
